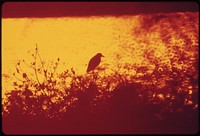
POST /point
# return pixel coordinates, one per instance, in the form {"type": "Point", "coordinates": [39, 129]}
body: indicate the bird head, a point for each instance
{"type": "Point", "coordinates": [99, 55]}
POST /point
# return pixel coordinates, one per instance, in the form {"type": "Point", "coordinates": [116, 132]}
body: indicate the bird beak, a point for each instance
{"type": "Point", "coordinates": [102, 56]}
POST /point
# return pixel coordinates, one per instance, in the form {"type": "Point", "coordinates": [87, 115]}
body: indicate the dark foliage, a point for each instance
{"type": "Point", "coordinates": [92, 103]}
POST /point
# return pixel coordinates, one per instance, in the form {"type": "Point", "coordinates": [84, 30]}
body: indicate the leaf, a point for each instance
{"type": "Point", "coordinates": [24, 75]}
{"type": "Point", "coordinates": [73, 71]}
{"type": "Point", "coordinates": [15, 84]}
{"type": "Point", "coordinates": [17, 70]}
{"type": "Point", "coordinates": [42, 86]}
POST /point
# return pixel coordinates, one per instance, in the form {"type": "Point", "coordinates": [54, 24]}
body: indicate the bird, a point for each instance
{"type": "Point", "coordinates": [94, 62]}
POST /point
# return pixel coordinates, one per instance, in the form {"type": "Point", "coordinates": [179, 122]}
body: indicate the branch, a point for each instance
{"type": "Point", "coordinates": [35, 69]}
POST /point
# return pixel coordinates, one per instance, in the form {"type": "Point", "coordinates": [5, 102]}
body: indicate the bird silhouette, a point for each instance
{"type": "Point", "coordinates": [94, 62]}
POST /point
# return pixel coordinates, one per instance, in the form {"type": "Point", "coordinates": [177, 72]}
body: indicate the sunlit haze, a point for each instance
{"type": "Point", "coordinates": [76, 39]}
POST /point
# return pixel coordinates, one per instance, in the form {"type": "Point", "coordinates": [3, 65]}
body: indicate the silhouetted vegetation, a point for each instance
{"type": "Point", "coordinates": [52, 102]}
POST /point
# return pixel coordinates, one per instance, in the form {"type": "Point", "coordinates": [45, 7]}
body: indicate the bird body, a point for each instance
{"type": "Point", "coordinates": [94, 62]}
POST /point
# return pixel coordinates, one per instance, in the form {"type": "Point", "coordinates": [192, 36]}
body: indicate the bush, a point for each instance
{"type": "Point", "coordinates": [66, 96]}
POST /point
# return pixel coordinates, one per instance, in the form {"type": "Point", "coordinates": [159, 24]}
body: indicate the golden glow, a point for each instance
{"type": "Point", "coordinates": [190, 91]}
{"type": "Point", "coordinates": [73, 40]}
{"type": "Point", "coordinates": [160, 96]}
{"type": "Point", "coordinates": [134, 46]}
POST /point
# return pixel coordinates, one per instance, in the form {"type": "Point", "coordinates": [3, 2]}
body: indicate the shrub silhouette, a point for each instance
{"type": "Point", "coordinates": [96, 103]}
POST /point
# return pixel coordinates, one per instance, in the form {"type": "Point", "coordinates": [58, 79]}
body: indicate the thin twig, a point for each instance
{"type": "Point", "coordinates": [27, 65]}
{"type": "Point", "coordinates": [18, 78]}
{"type": "Point", "coordinates": [35, 69]}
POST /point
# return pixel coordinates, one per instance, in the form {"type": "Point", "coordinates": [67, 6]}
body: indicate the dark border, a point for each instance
{"type": "Point", "coordinates": [2, 2]}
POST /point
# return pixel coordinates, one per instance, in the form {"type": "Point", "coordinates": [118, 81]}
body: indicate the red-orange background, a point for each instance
{"type": "Point", "coordinates": [55, 9]}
